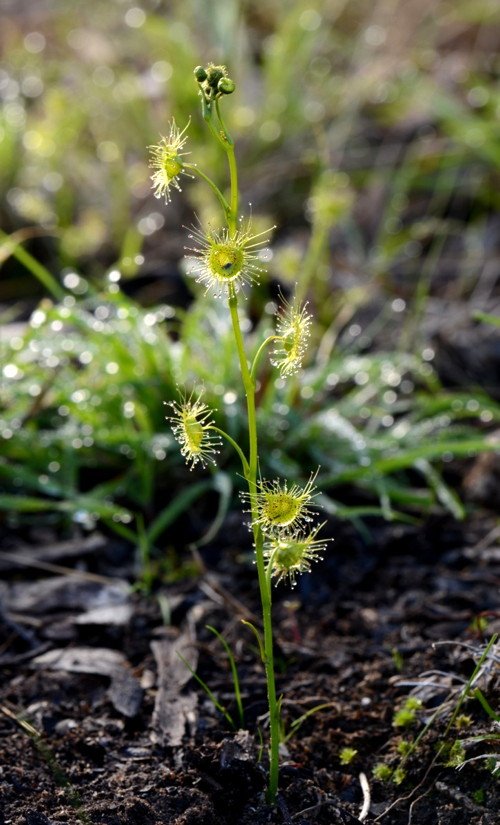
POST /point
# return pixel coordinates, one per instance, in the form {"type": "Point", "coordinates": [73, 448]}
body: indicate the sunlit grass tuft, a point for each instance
{"type": "Point", "coordinates": [84, 436]}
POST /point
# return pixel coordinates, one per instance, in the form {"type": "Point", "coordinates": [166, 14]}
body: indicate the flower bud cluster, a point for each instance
{"type": "Point", "coordinates": [213, 81]}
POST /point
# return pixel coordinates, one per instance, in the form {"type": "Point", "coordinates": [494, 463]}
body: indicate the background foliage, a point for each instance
{"type": "Point", "coordinates": [367, 132]}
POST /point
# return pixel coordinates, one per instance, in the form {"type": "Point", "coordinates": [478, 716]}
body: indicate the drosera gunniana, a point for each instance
{"type": "Point", "coordinates": [226, 262]}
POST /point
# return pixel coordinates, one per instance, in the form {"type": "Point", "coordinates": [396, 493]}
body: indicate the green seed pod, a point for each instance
{"type": "Point", "coordinates": [226, 86]}
{"type": "Point", "coordinates": [200, 74]}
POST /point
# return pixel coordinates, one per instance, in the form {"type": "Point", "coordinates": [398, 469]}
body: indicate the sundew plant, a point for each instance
{"type": "Point", "coordinates": [227, 263]}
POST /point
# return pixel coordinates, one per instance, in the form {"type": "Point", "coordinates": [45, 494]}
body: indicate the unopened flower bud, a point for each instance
{"type": "Point", "coordinates": [200, 74]}
{"type": "Point", "coordinates": [226, 86]}
{"type": "Point", "coordinates": [215, 74]}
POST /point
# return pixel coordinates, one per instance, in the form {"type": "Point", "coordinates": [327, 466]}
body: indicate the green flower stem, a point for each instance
{"type": "Point", "coordinates": [225, 134]}
{"type": "Point", "coordinates": [233, 214]}
{"type": "Point", "coordinates": [224, 138]}
{"type": "Point", "coordinates": [236, 446]}
{"type": "Point", "coordinates": [228, 144]}
{"type": "Point", "coordinates": [207, 112]}
{"type": "Point", "coordinates": [223, 202]}
{"type": "Point", "coordinates": [249, 385]}
{"type": "Point", "coordinates": [216, 133]}
{"type": "Point", "coordinates": [273, 703]}
{"type": "Point", "coordinates": [259, 352]}
{"type": "Point", "coordinates": [219, 134]}
{"type": "Point", "coordinates": [264, 583]}
{"type": "Point", "coordinates": [250, 465]}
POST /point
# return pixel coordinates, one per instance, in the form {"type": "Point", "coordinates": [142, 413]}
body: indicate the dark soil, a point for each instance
{"type": "Point", "coordinates": [101, 721]}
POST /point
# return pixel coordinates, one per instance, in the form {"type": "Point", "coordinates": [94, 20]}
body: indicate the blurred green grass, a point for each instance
{"type": "Point", "coordinates": [367, 132]}
{"type": "Point", "coordinates": [399, 96]}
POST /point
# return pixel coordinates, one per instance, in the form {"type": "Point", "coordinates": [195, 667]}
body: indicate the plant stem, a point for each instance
{"type": "Point", "coordinates": [264, 583]}
{"type": "Point", "coordinates": [274, 708]}
{"type": "Point", "coordinates": [223, 202]}
{"type": "Point", "coordinates": [236, 446]}
{"type": "Point", "coordinates": [228, 144]}
{"type": "Point", "coordinates": [233, 213]}
{"type": "Point", "coordinates": [250, 467]}
{"type": "Point", "coordinates": [261, 349]}
{"type": "Point", "coordinates": [249, 386]}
